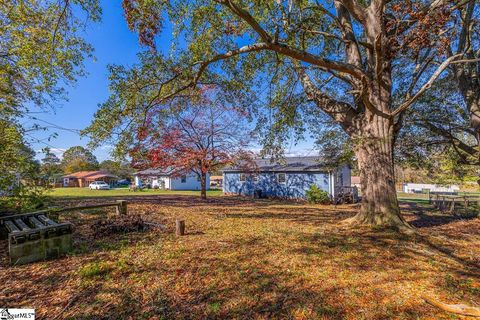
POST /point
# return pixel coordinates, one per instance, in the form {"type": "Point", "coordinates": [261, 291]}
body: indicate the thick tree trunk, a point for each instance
{"type": "Point", "coordinates": [203, 185]}
{"type": "Point", "coordinates": [374, 151]}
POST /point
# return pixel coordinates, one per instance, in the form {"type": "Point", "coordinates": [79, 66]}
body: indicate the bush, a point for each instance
{"type": "Point", "coordinates": [316, 195]}
{"type": "Point", "coordinates": [24, 198]}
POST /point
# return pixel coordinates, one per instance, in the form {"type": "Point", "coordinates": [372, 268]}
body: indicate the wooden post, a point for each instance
{"type": "Point", "coordinates": [121, 207]}
{"type": "Point", "coordinates": [452, 207]}
{"type": "Point", "coordinates": [180, 227]}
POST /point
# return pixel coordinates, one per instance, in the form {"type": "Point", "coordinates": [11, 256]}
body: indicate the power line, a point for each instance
{"type": "Point", "coordinates": [56, 126]}
{"type": "Point", "coordinates": [36, 140]}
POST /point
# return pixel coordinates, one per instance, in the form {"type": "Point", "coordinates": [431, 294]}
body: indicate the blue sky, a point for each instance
{"type": "Point", "coordinates": [114, 43]}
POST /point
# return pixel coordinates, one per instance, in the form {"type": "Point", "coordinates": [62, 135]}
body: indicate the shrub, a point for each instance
{"type": "Point", "coordinates": [316, 195]}
{"type": "Point", "coordinates": [24, 198]}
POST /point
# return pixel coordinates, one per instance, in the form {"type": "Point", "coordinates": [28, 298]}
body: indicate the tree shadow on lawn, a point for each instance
{"type": "Point", "coordinates": [426, 216]}
{"type": "Point", "coordinates": [307, 216]}
{"type": "Point", "coordinates": [206, 286]}
{"type": "Point", "coordinates": [245, 285]}
{"type": "Point", "coordinates": [270, 300]}
{"type": "Point", "coordinates": [239, 286]}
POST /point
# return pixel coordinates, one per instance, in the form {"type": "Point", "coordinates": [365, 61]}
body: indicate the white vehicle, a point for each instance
{"type": "Point", "coordinates": [99, 185]}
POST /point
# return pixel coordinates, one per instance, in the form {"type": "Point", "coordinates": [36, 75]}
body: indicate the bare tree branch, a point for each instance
{"type": "Point", "coordinates": [404, 106]}
{"type": "Point", "coordinates": [358, 12]}
{"type": "Point", "coordinates": [287, 50]}
{"type": "Point", "coordinates": [342, 112]}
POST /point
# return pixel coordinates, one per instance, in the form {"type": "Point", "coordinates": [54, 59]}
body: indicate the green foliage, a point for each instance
{"type": "Point", "coordinates": [436, 141]}
{"type": "Point", "coordinates": [41, 49]}
{"type": "Point", "coordinates": [118, 168]}
{"type": "Point", "coordinates": [18, 171]}
{"type": "Point", "coordinates": [133, 111]}
{"type": "Point", "coordinates": [25, 197]}
{"type": "Point", "coordinates": [316, 195]}
{"type": "Point", "coordinates": [334, 146]}
{"type": "Point", "coordinates": [78, 159]}
{"type": "Point", "coordinates": [50, 164]}
{"type": "Point", "coordinates": [41, 52]}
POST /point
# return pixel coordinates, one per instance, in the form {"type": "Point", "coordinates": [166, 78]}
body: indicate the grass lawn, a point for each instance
{"type": "Point", "coordinates": [119, 192]}
{"type": "Point", "coordinates": [422, 198]}
{"type": "Point", "coordinates": [252, 259]}
{"type": "Point", "coordinates": [419, 198]}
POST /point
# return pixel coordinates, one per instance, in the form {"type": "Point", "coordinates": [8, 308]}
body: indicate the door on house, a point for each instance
{"type": "Point", "coordinates": [65, 182]}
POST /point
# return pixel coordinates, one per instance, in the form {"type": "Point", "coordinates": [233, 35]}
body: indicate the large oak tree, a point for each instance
{"type": "Point", "coordinates": [347, 57]}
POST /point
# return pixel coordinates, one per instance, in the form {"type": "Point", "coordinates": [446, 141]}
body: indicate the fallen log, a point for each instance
{"type": "Point", "coordinates": [461, 309]}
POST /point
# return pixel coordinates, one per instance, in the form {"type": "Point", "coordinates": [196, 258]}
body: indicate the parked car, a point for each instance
{"type": "Point", "coordinates": [123, 183]}
{"type": "Point", "coordinates": [99, 185]}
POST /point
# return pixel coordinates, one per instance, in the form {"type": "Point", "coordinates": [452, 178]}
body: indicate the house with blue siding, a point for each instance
{"type": "Point", "coordinates": [290, 178]}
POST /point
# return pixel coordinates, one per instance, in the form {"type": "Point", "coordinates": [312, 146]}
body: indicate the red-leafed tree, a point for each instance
{"type": "Point", "coordinates": [197, 134]}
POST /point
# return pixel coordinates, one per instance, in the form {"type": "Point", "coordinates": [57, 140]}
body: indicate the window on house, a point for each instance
{"type": "Point", "coordinates": [242, 177]}
{"type": "Point", "coordinates": [184, 179]}
{"type": "Point", "coordinates": [281, 177]}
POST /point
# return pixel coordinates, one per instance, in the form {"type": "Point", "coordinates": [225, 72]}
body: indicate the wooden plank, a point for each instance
{"type": "Point", "coordinates": [24, 215]}
{"type": "Point", "coordinates": [93, 206]}
{"type": "Point", "coordinates": [59, 210]}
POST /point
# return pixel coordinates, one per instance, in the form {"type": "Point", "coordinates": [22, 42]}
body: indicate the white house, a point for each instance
{"type": "Point", "coordinates": [169, 180]}
{"type": "Point", "coordinates": [434, 188]}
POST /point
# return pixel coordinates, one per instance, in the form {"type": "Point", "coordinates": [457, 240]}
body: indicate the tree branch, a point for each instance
{"type": "Point", "coordinates": [404, 106]}
{"type": "Point", "coordinates": [248, 18]}
{"type": "Point", "coordinates": [342, 112]}
{"type": "Point", "coordinates": [287, 50]}
{"type": "Point", "coordinates": [357, 11]}
{"type": "Point", "coordinates": [352, 50]}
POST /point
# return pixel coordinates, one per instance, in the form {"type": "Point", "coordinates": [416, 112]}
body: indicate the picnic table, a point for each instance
{"type": "Point", "coordinates": [449, 203]}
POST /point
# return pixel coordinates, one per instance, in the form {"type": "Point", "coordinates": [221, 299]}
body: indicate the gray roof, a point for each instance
{"type": "Point", "coordinates": [156, 172]}
{"type": "Point", "coordinates": [285, 164]}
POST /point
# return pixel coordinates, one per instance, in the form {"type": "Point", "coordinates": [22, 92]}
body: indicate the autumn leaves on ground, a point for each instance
{"type": "Point", "coordinates": [251, 259]}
